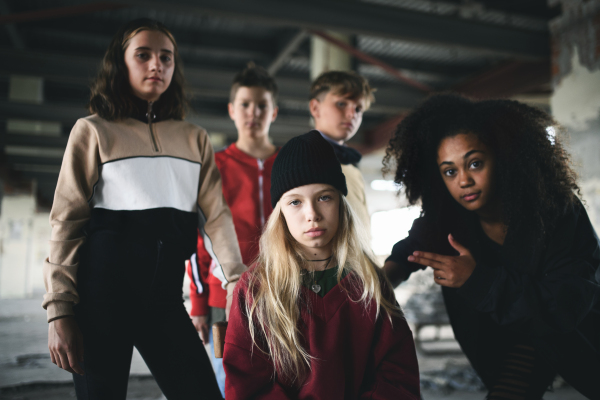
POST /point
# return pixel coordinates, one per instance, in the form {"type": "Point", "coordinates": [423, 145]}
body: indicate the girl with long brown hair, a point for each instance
{"type": "Point", "coordinates": [135, 184]}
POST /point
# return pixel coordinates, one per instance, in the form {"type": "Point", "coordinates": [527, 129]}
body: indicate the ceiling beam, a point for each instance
{"type": "Point", "coordinates": [11, 29]}
{"type": "Point", "coordinates": [507, 80]}
{"type": "Point", "coordinates": [373, 61]}
{"type": "Point", "coordinates": [353, 17]}
{"type": "Point", "coordinates": [286, 52]}
{"type": "Point", "coordinates": [59, 12]}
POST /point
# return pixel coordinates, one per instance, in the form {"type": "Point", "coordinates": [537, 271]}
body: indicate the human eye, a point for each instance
{"type": "Point", "coordinates": [142, 56]}
{"type": "Point", "coordinates": [449, 172]}
{"type": "Point", "coordinates": [294, 203]}
{"type": "Point", "coordinates": [325, 197]}
{"type": "Point", "coordinates": [262, 106]}
{"type": "Point", "coordinates": [165, 58]}
{"type": "Point", "coordinates": [359, 109]}
{"type": "Point", "coordinates": [476, 164]}
{"type": "Point", "coordinates": [341, 104]}
{"type": "Point", "coordinates": [245, 104]}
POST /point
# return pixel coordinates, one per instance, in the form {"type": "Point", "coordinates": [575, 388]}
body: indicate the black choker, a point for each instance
{"type": "Point", "coordinates": [325, 259]}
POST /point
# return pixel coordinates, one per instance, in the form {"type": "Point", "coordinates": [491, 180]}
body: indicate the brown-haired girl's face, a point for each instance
{"type": "Point", "coordinates": [467, 168]}
{"type": "Point", "coordinates": [150, 62]}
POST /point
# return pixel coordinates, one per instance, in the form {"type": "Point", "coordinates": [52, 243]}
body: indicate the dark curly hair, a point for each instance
{"type": "Point", "coordinates": [111, 95]}
{"type": "Point", "coordinates": [533, 176]}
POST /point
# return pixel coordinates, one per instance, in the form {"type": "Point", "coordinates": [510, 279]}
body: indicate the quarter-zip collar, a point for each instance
{"type": "Point", "coordinates": [146, 111]}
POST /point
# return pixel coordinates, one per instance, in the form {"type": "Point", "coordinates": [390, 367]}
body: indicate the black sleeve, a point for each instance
{"type": "Point", "coordinates": [554, 300]}
{"type": "Point", "coordinates": [401, 250]}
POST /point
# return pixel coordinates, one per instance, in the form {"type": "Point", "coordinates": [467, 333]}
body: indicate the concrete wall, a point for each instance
{"type": "Point", "coordinates": [24, 235]}
{"type": "Point", "coordinates": [575, 102]}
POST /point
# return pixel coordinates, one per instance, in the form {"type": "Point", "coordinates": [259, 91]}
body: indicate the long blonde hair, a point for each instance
{"type": "Point", "coordinates": [274, 297]}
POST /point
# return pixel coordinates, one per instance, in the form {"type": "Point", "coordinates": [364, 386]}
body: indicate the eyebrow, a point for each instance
{"type": "Point", "coordinates": [148, 48]}
{"type": "Point", "coordinates": [464, 157]}
{"type": "Point", "coordinates": [294, 194]}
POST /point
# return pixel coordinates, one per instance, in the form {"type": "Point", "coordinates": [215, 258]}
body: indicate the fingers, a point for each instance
{"type": "Point", "coordinates": [64, 362]}
{"type": "Point", "coordinates": [431, 256]}
{"type": "Point", "coordinates": [204, 334]}
{"type": "Point", "coordinates": [74, 362]}
{"type": "Point", "coordinates": [462, 250]}
{"type": "Point", "coordinates": [419, 258]}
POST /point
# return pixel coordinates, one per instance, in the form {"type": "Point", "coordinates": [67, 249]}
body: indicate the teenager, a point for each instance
{"type": "Point", "coordinates": [338, 100]}
{"type": "Point", "coordinates": [508, 240]}
{"type": "Point", "coordinates": [314, 317]}
{"type": "Point", "coordinates": [245, 168]}
{"type": "Point", "coordinates": [134, 182]}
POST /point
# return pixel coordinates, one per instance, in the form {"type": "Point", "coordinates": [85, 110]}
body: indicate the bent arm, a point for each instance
{"type": "Point", "coordinates": [554, 300]}
{"type": "Point", "coordinates": [70, 212]}
{"type": "Point", "coordinates": [215, 221]}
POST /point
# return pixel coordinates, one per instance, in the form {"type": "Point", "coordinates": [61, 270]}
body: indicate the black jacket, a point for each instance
{"type": "Point", "coordinates": [547, 294]}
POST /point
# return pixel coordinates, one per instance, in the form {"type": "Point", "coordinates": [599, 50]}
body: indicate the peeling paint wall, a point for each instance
{"type": "Point", "coordinates": [575, 102]}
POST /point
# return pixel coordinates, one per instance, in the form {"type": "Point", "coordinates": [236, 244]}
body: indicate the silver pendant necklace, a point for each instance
{"type": "Point", "coordinates": [316, 287]}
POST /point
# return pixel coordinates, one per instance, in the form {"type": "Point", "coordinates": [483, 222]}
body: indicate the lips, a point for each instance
{"type": "Point", "coordinates": [154, 79]}
{"type": "Point", "coordinates": [315, 232]}
{"type": "Point", "coordinates": [471, 196]}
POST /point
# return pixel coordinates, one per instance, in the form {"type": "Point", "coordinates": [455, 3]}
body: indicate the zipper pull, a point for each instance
{"type": "Point", "coordinates": [150, 115]}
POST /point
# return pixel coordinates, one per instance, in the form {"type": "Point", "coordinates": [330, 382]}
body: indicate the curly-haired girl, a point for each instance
{"type": "Point", "coordinates": [135, 184]}
{"type": "Point", "coordinates": [508, 240]}
{"type": "Point", "coordinates": [315, 318]}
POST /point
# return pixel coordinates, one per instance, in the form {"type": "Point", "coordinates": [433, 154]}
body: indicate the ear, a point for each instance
{"type": "Point", "coordinates": [231, 111]}
{"type": "Point", "coordinates": [314, 107]}
{"type": "Point", "coordinates": [275, 112]}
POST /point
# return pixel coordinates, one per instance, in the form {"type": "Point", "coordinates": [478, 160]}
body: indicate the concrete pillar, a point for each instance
{"type": "Point", "coordinates": [16, 233]}
{"type": "Point", "coordinates": [328, 57]}
{"type": "Point", "coordinates": [575, 102]}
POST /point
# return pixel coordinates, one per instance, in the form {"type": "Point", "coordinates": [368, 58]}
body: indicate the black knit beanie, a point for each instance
{"type": "Point", "coordinates": [304, 160]}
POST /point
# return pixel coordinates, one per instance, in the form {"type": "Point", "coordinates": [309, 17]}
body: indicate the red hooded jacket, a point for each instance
{"type": "Point", "coordinates": [247, 190]}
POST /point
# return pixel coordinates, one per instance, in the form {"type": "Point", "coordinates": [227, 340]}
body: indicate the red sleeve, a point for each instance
{"type": "Point", "coordinates": [198, 272]}
{"type": "Point", "coordinates": [397, 374]}
{"type": "Point", "coordinates": [248, 372]}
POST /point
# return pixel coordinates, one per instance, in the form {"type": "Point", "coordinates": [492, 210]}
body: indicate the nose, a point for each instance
{"type": "Point", "coordinates": [465, 179]}
{"type": "Point", "coordinates": [350, 112]}
{"type": "Point", "coordinates": [312, 213]}
{"type": "Point", "coordinates": [156, 63]}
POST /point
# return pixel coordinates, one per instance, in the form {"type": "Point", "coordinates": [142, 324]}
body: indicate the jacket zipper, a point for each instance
{"type": "Point", "coordinates": [152, 138]}
{"type": "Point", "coordinates": [261, 197]}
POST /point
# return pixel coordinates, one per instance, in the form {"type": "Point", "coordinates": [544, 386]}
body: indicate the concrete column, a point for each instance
{"type": "Point", "coordinates": [328, 57]}
{"type": "Point", "coordinates": [575, 102]}
{"type": "Point", "coordinates": [16, 234]}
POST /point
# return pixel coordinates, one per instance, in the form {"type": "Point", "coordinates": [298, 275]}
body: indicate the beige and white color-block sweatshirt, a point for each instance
{"type": "Point", "coordinates": [154, 176]}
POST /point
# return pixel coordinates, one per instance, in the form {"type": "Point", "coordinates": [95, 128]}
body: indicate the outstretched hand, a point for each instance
{"type": "Point", "coordinates": [450, 271]}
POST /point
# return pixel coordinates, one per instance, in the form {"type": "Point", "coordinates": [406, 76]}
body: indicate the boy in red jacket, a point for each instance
{"type": "Point", "coordinates": [245, 168]}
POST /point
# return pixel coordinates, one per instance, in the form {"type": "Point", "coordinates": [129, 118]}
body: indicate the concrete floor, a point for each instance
{"type": "Point", "coordinates": [27, 373]}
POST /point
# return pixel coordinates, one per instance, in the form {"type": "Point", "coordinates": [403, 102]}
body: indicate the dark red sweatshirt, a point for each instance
{"type": "Point", "coordinates": [355, 356]}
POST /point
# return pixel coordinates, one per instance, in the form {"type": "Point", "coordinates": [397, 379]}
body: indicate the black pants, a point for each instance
{"type": "Point", "coordinates": [131, 295]}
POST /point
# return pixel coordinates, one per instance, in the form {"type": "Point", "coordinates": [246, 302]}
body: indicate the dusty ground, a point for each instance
{"type": "Point", "coordinates": [27, 373]}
